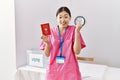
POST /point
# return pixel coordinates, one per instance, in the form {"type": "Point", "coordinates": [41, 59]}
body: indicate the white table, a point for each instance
{"type": "Point", "coordinates": [30, 73]}
{"type": "Point", "coordinates": [112, 74]}
{"type": "Point", "coordinates": [94, 71]}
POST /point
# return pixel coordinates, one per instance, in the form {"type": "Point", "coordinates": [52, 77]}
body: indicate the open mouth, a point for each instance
{"type": "Point", "coordinates": [63, 23]}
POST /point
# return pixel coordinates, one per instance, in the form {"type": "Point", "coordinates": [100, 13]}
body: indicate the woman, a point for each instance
{"type": "Point", "coordinates": [61, 47]}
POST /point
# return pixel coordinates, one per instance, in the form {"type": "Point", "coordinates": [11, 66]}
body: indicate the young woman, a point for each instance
{"type": "Point", "coordinates": [61, 47]}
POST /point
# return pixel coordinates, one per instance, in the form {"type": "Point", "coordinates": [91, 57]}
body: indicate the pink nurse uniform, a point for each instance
{"type": "Point", "coordinates": [70, 69]}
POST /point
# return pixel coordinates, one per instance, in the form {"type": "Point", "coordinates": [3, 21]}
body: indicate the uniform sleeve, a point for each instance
{"type": "Point", "coordinates": [42, 46]}
{"type": "Point", "coordinates": [82, 42]}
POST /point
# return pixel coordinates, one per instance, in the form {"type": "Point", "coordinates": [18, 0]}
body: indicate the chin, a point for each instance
{"type": "Point", "coordinates": [65, 25]}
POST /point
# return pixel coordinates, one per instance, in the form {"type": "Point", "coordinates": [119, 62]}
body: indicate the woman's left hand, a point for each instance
{"type": "Point", "coordinates": [78, 27]}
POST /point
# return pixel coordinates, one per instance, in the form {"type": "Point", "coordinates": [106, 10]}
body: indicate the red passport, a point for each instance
{"type": "Point", "coordinates": [45, 29]}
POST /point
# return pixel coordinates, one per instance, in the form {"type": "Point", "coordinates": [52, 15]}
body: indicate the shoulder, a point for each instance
{"type": "Point", "coordinates": [71, 27]}
{"type": "Point", "coordinates": [54, 29]}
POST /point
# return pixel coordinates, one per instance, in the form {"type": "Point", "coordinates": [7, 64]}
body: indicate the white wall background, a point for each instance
{"type": "Point", "coordinates": [101, 32]}
{"type": "Point", "coordinates": [7, 40]}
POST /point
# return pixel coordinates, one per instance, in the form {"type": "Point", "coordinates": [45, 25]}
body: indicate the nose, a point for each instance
{"type": "Point", "coordinates": [63, 19]}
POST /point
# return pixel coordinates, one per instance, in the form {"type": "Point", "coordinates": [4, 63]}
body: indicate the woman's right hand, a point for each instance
{"type": "Point", "coordinates": [45, 39]}
{"type": "Point", "coordinates": [47, 47]}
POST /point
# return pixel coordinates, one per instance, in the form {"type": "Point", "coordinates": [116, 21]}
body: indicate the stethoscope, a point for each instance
{"type": "Point", "coordinates": [79, 19]}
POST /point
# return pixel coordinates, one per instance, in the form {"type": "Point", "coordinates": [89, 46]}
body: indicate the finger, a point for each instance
{"type": "Point", "coordinates": [43, 36]}
{"type": "Point", "coordinates": [79, 24]}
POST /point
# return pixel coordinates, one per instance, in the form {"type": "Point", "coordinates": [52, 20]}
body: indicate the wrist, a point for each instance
{"type": "Point", "coordinates": [47, 43]}
{"type": "Point", "coordinates": [77, 31]}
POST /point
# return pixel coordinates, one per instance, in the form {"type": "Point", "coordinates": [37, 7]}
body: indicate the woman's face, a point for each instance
{"type": "Point", "coordinates": [63, 19]}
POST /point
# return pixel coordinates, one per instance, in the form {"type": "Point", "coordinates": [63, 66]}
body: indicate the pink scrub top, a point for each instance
{"type": "Point", "coordinates": [70, 69]}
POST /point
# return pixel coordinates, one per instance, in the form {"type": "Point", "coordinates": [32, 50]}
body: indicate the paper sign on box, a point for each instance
{"type": "Point", "coordinates": [35, 60]}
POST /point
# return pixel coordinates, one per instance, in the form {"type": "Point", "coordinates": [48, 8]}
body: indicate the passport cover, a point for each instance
{"type": "Point", "coordinates": [45, 29]}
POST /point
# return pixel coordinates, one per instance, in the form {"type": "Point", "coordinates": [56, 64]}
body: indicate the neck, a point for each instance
{"type": "Point", "coordinates": [62, 29]}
